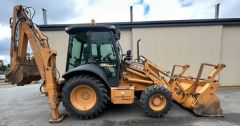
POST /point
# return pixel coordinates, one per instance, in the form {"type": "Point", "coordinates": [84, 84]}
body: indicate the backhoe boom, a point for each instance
{"type": "Point", "coordinates": [43, 65]}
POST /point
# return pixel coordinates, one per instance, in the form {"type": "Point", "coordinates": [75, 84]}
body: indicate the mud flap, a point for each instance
{"type": "Point", "coordinates": [23, 74]}
{"type": "Point", "coordinates": [208, 107]}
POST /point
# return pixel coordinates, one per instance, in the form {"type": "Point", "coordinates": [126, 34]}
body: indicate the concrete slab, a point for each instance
{"type": "Point", "coordinates": [2, 77]}
{"type": "Point", "coordinates": [25, 106]}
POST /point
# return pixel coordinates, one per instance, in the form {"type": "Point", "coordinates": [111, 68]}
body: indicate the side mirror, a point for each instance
{"type": "Point", "coordinates": [129, 55]}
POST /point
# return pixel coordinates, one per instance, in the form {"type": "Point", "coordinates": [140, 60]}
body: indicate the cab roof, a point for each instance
{"type": "Point", "coordinates": [78, 28]}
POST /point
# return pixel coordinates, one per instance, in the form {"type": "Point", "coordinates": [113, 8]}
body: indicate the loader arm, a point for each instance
{"type": "Point", "coordinates": [42, 66]}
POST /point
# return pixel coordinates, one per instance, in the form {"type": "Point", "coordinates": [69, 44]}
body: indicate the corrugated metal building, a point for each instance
{"type": "Point", "coordinates": [172, 42]}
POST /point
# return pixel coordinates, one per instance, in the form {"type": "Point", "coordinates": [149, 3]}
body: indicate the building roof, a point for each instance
{"type": "Point", "coordinates": [166, 23]}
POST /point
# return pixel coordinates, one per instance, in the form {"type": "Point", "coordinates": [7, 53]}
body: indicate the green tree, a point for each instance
{"type": "Point", "coordinates": [1, 62]}
{"type": "Point", "coordinates": [3, 67]}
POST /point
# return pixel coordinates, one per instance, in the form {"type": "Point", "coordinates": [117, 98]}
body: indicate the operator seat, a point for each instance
{"type": "Point", "coordinates": [85, 55]}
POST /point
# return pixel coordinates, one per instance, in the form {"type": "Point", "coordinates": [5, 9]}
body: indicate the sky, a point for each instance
{"type": "Point", "coordinates": [82, 11]}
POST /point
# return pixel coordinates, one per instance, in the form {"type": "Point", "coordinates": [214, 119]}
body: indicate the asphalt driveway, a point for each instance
{"type": "Point", "coordinates": [24, 106]}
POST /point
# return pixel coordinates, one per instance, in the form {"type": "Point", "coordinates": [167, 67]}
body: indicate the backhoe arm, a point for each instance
{"type": "Point", "coordinates": [42, 66]}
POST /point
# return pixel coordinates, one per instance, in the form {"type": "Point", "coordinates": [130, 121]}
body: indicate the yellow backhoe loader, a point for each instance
{"type": "Point", "coordinates": [98, 73]}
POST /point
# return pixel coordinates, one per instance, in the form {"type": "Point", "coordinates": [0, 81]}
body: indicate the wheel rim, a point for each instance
{"type": "Point", "coordinates": [157, 102]}
{"type": "Point", "coordinates": [83, 97]}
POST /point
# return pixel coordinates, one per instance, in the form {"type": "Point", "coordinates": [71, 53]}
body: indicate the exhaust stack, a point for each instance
{"type": "Point", "coordinates": [44, 16]}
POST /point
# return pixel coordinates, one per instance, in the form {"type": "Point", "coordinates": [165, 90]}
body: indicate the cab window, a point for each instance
{"type": "Point", "coordinates": [78, 52]}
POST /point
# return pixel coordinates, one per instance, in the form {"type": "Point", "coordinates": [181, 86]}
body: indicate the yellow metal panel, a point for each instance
{"type": "Point", "coordinates": [122, 95]}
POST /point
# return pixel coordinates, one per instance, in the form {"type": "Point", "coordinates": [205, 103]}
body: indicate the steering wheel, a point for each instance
{"type": "Point", "coordinates": [107, 57]}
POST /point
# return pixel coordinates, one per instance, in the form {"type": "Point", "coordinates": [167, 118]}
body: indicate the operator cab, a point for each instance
{"type": "Point", "coordinates": [95, 44]}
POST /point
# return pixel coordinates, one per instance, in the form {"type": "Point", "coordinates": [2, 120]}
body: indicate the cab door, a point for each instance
{"type": "Point", "coordinates": [104, 53]}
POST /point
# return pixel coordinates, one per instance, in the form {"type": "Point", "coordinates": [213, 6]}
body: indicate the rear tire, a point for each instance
{"type": "Point", "coordinates": [156, 101]}
{"type": "Point", "coordinates": [84, 96]}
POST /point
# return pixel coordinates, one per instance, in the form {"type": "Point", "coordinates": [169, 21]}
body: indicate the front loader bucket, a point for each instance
{"type": "Point", "coordinates": [23, 74]}
{"type": "Point", "coordinates": [208, 106]}
{"type": "Point", "coordinates": [198, 94]}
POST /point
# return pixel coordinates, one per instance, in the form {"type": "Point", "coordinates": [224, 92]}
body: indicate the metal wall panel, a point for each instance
{"type": "Point", "coordinates": [230, 55]}
{"type": "Point", "coordinates": [166, 46]}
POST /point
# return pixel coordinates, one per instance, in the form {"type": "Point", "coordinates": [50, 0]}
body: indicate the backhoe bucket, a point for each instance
{"type": "Point", "coordinates": [24, 73]}
{"type": "Point", "coordinates": [208, 106]}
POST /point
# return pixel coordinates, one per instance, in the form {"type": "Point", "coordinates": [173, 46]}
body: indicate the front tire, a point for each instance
{"type": "Point", "coordinates": [84, 96]}
{"type": "Point", "coordinates": [156, 101]}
